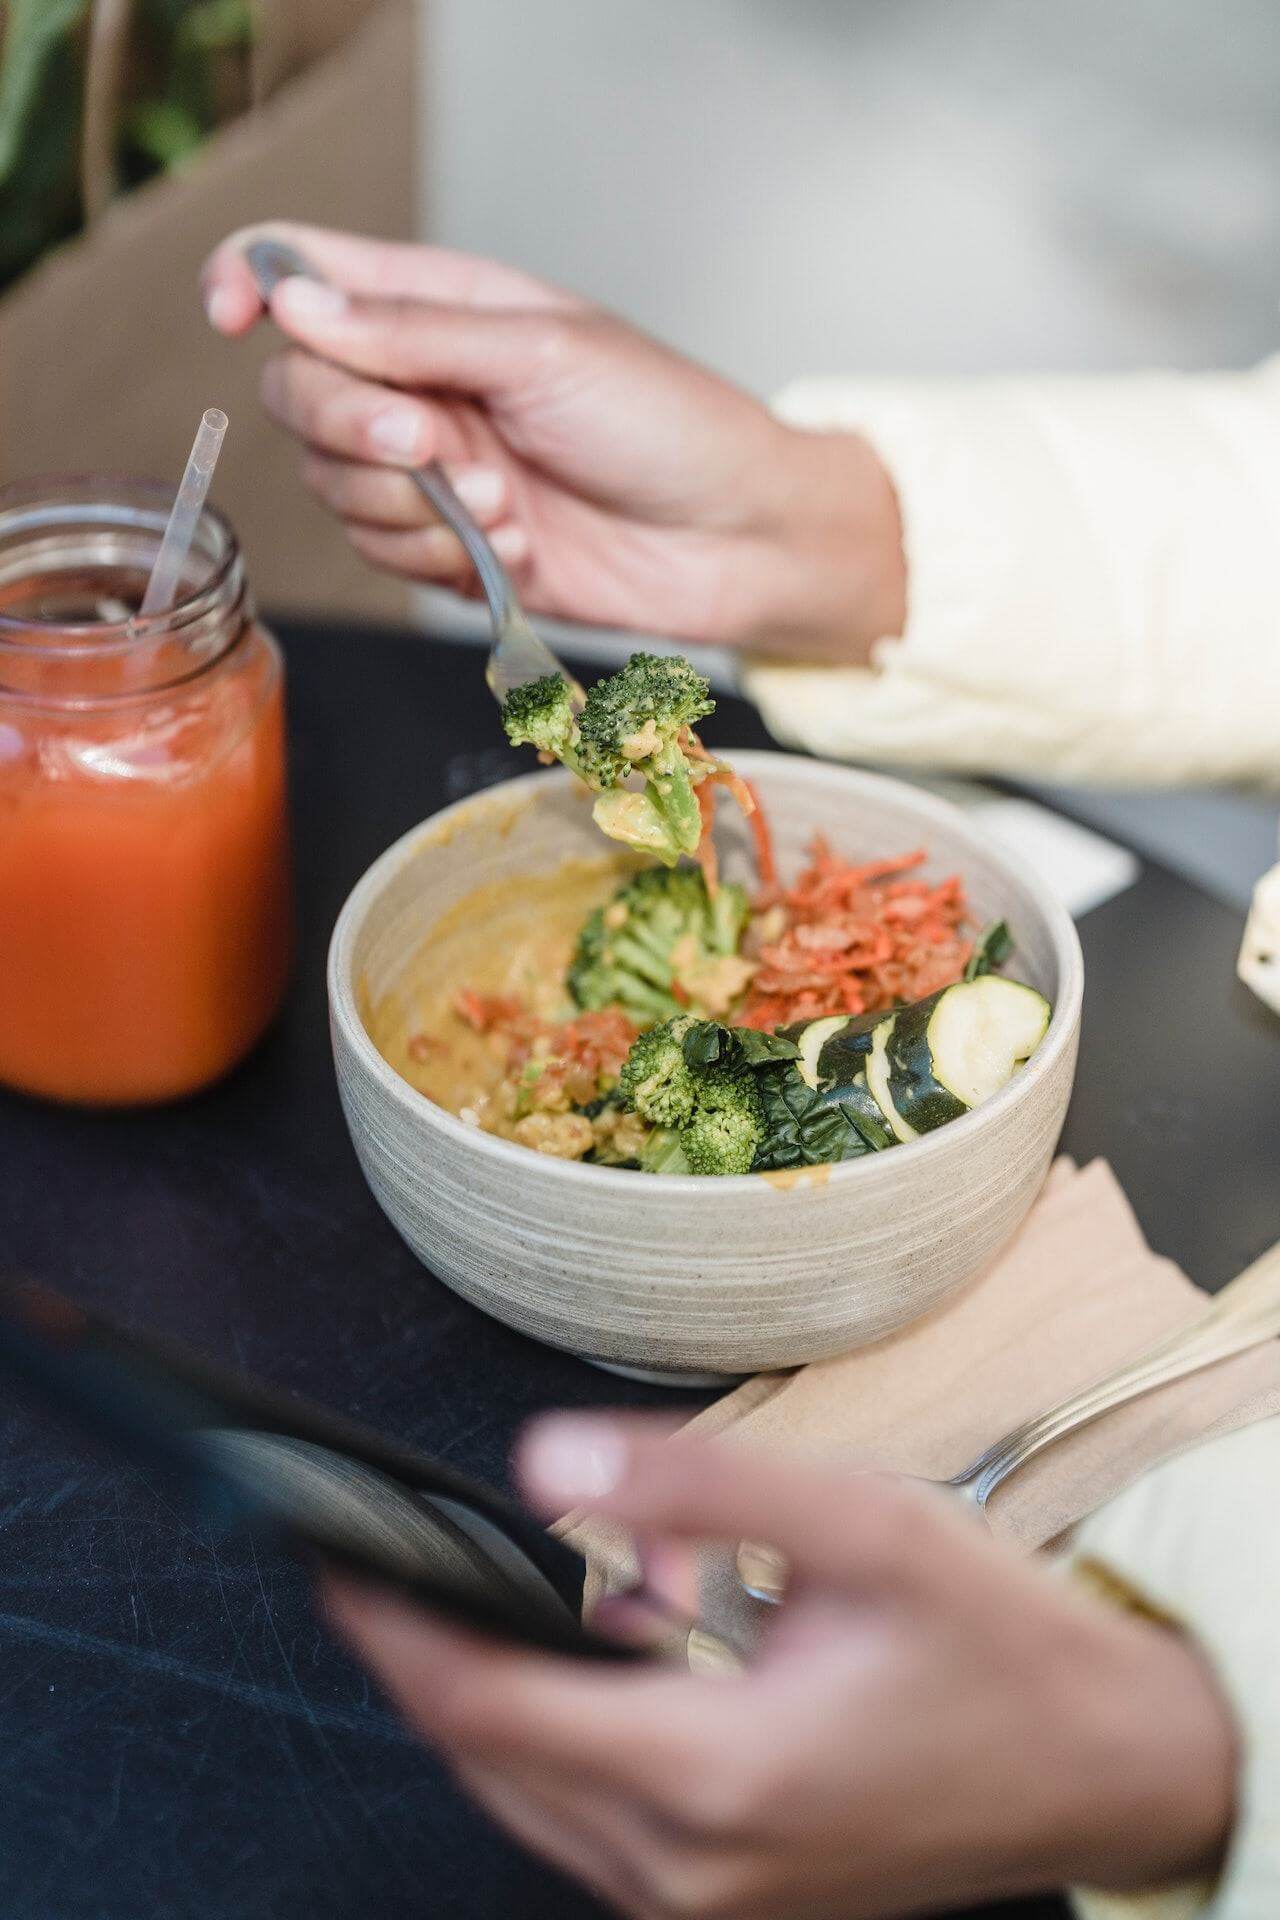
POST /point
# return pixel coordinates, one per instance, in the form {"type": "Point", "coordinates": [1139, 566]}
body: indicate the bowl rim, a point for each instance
{"type": "Point", "coordinates": [345, 1013]}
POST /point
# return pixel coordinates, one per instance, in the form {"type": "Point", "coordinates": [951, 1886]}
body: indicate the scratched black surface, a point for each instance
{"type": "Point", "coordinates": [178, 1736]}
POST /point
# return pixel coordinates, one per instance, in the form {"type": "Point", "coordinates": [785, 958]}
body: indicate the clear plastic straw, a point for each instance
{"type": "Point", "coordinates": [162, 588]}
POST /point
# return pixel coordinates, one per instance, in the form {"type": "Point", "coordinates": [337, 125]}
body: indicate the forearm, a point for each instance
{"type": "Point", "coordinates": [1158, 1809]}
{"type": "Point", "coordinates": [1092, 572]}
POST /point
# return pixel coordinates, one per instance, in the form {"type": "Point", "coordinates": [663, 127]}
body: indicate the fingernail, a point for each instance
{"type": "Point", "coordinates": [219, 308]}
{"type": "Point", "coordinates": [396, 430]}
{"type": "Point", "coordinates": [510, 543]}
{"type": "Point", "coordinates": [443, 548]}
{"type": "Point", "coordinates": [573, 1460]}
{"type": "Point", "coordinates": [479, 489]}
{"type": "Point", "coordinates": [305, 299]}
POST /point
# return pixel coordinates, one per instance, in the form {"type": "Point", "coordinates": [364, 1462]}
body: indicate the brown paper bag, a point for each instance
{"type": "Point", "coordinates": [106, 361]}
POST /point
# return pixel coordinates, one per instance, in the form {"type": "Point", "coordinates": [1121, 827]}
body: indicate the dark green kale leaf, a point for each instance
{"type": "Point", "coordinates": [761, 1049]}
{"type": "Point", "coordinates": [807, 1128]}
{"type": "Point", "coordinates": [707, 1044]}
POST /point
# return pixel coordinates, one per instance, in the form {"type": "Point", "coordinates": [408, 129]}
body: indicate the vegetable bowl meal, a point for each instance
{"type": "Point", "coordinates": [504, 978]}
{"type": "Point", "coordinates": [662, 1019]}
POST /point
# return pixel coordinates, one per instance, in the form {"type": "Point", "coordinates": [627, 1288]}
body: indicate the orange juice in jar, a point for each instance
{"type": "Point", "coordinates": [145, 910]}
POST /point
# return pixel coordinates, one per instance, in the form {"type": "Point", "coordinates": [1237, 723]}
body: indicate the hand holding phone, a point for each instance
{"type": "Point", "coordinates": [244, 1455]}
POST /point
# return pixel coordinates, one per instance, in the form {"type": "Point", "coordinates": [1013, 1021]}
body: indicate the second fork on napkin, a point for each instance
{"type": "Point", "coordinates": [1074, 1294]}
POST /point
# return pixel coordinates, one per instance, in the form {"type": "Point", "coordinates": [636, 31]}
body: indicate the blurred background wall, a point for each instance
{"type": "Point", "coordinates": [785, 185]}
{"type": "Point", "coordinates": [917, 186]}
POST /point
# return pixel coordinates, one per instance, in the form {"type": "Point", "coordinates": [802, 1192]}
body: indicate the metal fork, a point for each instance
{"type": "Point", "coordinates": [1245, 1314]}
{"type": "Point", "coordinates": [517, 654]}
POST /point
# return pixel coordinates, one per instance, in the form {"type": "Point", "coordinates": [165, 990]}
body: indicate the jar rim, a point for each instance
{"type": "Point", "coordinates": [107, 639]}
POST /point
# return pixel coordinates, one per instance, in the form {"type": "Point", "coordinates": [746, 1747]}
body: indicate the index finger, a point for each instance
{"type": "Point", "coordinates": [629, 1726]}
{"type": "Point", "coordinates": [853, 1529]}
{"type": "Point", "coordinates": [383, 268]}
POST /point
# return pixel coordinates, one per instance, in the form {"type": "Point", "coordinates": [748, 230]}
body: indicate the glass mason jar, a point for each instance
{"type": "Point", "coordinates": [145, 912]}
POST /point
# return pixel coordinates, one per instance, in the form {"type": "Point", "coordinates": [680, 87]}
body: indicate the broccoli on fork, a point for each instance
{"type": "Point", "coordinates": [635, 721]}
{"type": "Point", "coordinates": [540, 714]}
{"type": "Point", "coordinates": [663, 945]}
{"type": "Point", "coordinates": [688, 1078]}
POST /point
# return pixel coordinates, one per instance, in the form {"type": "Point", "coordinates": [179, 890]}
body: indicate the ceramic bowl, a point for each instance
{"type": "Point", "coordinates": [672, 1277]}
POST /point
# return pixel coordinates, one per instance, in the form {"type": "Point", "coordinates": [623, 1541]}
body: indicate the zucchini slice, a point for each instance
{"type": "Point", "coordinates": [878, 1079]}
{"type": "Point", "coordinates": [811, 1039]}
{"type": "Point", "coordinates": [991, 949]}
{"type": "Point", "coordinates": [833, 1050]}
{"type": "Point", "coordinates": [947, 1054]}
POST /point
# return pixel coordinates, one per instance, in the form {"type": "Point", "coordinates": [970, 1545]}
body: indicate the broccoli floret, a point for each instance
{"type": "Point", "coordinates": [588, 979]}
{"type": "Point", "coordinates": [656, 1081]}
{"type": "Point", "coordinates": [728, 1123]}
{"type": "Point", "coordinates": [635, 713]}
{"type": "Point", "coordinates": [631, 723]}
{"type": "Point", "coordinates": [540, 714]}
{"type": "Point", "coordinates": [636, 821]}
{"type": "Point", "coordinates": [661, 946]}
{"type": "Point", "coordinates": [691, 1079]}
{"type": "Point", "coordinates": [663, 1153]}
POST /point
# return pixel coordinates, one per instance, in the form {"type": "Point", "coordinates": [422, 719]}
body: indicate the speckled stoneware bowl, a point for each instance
{"type": "Point", "coordinates": [670, 1276]}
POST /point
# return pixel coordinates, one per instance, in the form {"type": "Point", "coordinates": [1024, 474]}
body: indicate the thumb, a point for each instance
{"type": "Point", "coordinates": [417, 343]}
{"type": "Point", "coordinates": [835, 1525]}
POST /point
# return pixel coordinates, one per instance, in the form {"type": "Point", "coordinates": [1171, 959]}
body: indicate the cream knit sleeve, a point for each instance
{"type": "Point", "coordinates": [1198, 1540]}
{"type": "Point", "coordinates": [1093, 580]}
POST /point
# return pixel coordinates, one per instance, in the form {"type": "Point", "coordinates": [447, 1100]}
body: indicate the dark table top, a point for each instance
{"type": "Point", "coordinates": [178, 1735]}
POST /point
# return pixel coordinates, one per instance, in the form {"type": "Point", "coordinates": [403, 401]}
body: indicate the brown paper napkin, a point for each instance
{"type": "Point", "coordinates": [1076, 1293]}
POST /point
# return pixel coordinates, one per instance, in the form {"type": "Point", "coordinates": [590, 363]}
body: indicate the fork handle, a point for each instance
{"type": "Point", "coordinates": [1244, 1314]}
{"type": "Point", "coordinates": [434, 485]}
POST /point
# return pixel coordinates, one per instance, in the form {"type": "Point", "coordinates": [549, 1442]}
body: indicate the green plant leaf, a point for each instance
{"type": "Point", "coordinates": [37, 31]}
{"type": "Point", "coordinates": [215, 25]}
{"type": "Point", "coordinates": [40, 110]}
{"type": "Point", "coordinates": [165, 132]}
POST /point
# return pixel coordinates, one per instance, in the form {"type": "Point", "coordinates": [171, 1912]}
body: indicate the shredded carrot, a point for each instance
{"type": "Point", "coordinates": [706, 856]}
{"type": "Point", "coordinates": [737, 786]}
{"type": "Point", "coordinates": [584, 1054]}
{"type": "Point", "coordinates": [575, 1060]}
{"type": "Point", "coordinates": [845, 938]}
{"type": "Point", "coordinates": [858, 938]}
{"type": "Point", "coordinates": [714, 773]}
{"type": "Point", "coordinates": [485, 1011]}
{"type": "Point", "coordinates": [762, 838]}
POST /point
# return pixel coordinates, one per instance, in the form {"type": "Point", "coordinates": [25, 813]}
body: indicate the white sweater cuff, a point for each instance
{"type": "Point", "coordinates": [1093, 572]}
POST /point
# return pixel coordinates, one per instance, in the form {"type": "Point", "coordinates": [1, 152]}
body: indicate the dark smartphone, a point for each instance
{"type": "Point", "coordinates": [244, 1455]}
